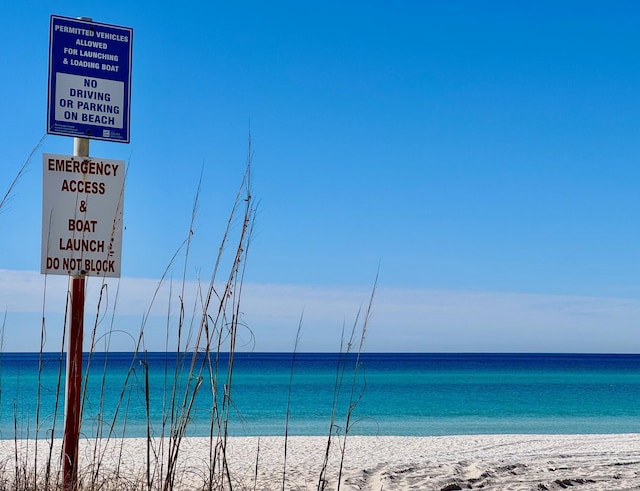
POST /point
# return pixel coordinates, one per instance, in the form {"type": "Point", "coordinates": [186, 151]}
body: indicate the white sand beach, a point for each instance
{"type": "Point", "coordinates": [488, 462]}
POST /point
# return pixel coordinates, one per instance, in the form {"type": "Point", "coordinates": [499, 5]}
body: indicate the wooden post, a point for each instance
{"type": "Point", "coordinates": [73, 393]}
{"type": "Point", "coordinates": [74, 385]}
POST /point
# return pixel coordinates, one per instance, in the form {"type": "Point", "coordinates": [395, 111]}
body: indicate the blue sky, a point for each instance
{"type": "Point", "coordinates": [483, 155]}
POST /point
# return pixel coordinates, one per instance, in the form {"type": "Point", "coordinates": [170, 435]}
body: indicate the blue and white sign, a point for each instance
{"type": "Point", "coordinates": [89, 79]}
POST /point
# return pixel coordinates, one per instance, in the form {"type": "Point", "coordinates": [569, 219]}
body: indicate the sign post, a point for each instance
{"type": "Point", "coordinates": [73, 387]}
{"type": "Point", "coordinates": [81, 236]}
{"type": "Point", "coordinates": [89, 97]}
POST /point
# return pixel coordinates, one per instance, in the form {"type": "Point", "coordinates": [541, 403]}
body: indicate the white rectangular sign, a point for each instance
{"type": "Point", "coordinates": [82, 209]}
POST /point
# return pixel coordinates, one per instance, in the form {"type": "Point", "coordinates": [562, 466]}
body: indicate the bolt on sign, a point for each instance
{"type": "Point", "coordinates": [82, 210]}
{"type": "Point", "coordinates": [89, 79]}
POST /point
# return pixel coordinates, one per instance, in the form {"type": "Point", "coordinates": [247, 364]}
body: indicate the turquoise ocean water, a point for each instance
{"type": "Point", "coordinates": [396, 394]}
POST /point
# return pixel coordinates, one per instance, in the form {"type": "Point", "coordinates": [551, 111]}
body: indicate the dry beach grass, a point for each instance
{"type": "Point", "coordinates": [196, 335]}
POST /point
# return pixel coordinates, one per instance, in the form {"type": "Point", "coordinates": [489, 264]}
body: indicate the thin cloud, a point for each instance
{"type": "Point", "coordinates": [403, 319]}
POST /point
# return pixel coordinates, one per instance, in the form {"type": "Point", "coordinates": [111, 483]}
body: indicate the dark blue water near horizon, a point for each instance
{"type": "Point", "coordinates": [415, 394]}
